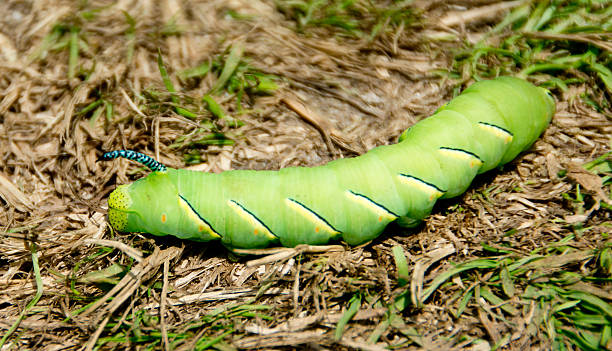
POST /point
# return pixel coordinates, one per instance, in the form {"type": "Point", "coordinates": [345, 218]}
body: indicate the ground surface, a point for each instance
{"type": "Point", "coordinates": [521, 261]}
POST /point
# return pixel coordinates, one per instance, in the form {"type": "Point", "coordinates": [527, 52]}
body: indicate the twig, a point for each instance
{"type": "Point", "coordinates": [126, 249]}
{"type": "Point", "coordinates": [324, 90]}
{"type": "Point", "coordinates": [321, 124]}
{"type": "Point", "coordinates": [131, 103]}
{"type": "Point", "coordinates": [96, 335]}
{"type": "Point", "coordinates": [162, 307]}
{"type": "Point", "coordinates": [280, 254]}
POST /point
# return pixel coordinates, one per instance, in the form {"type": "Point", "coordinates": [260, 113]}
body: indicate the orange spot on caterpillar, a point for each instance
{"type": "Point", "coordinates": [380, 218]}
{"type": "Point", "coordinates": [201, 228]}
{"type": "Point", "coordinates": [163, 219]}
{"type": "Point", "coordinates": [317, 229]}
{"type": "Point", "coordinates": [255, 231]}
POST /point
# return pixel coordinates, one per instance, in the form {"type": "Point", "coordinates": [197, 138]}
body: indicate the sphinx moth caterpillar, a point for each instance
{"type": "Point", "coordinates": [352, 199]}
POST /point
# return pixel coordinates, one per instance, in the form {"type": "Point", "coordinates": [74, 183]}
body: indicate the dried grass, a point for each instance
{"type": "Point", "coordinates": [361, 94]}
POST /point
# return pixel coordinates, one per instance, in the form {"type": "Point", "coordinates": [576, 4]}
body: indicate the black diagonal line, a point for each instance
{"type": "Point", "coordinates": [314, 213]}
{"type": "Point", "coordinates": [256, 218]}
{"type": "Point", "coordinates": [374, 202]}
{"type": "Point", "coordinates": [498, 127]}
{"type": "Point", "coordinates": [461, 150]}
{"type": "Point", "coordinates": [422, 181]}
{"type": "Point", "coordinates": [200, 217]}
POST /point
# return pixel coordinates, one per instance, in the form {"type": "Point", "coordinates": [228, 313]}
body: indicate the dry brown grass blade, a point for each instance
{"type": "Point", "coordinates": [328, 131]}
{"type": "Point", "coordinates": [11, 194]}
{"type": "Point", "coordinates": [131, 103]}
{"type": "Point", "coordinates": [490, 326]}
{"type": "Point", "coordinates": [11, 95]}
{"type": "Point", "coordinates": [284, 253]}
{"type": "Point", "coordinates": [162, 306]}
{"type": "Point", "coordinates": [422, 265]}
{"type": "Point", "coordinates": [325, 90]}
{"type": "Point", "coordinates": [126, 249]}
{"type": "Point", "coordinates": [454, 18]}
{"type": "Point", "coordinates": [370, 90]}
{"type": "Point", "coordinates": [553, 262]}
{"type": "Point", "coordinates": [233, 294]}
{"type": "Point", "coordinates": [280, 339]}
{"type": "Point", "coordinates": [588, 288]}
{"type": "Point", "coordinates": [299, 324]}
{"type": "Point", "coordinates": [592, 183]}
{"type": "Point", "coordinates": [126, 288]}
{"type": "Point", "coordinates": [361, 345]}
{"type": "Point", "coordinates": [136, 275]}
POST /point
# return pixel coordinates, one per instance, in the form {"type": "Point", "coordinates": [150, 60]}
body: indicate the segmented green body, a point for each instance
{"type": "Point", "coordinates": [353, 199]}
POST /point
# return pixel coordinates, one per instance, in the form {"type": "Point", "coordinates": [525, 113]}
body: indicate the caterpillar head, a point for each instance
{"type": "Point", "coordinates": [119, 203]}
{"type": "Point", "coordinates": [154, 205]}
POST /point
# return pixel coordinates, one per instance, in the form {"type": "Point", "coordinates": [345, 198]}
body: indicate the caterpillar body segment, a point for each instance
{"type": "Point", "coordinates": [350, 199]}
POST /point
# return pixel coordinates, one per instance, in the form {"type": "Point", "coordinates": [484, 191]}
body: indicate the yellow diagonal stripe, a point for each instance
{"type": "Point", "coordinates": [379, 210]}
{"type": "Point", "coordinates": [319, 223]}
{"type": "Point", "coordinates": [433, 192]}
{"type": "Point", "coordinates": [258, 226]}
{"type": "Point", "coordinates": [497, 131]}
{"type": "Point", "coordinates": [193, 216]}
{"type": "Point", "coordinates": [461, 155]}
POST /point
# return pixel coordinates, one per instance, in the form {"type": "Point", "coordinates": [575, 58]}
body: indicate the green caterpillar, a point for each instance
{"type": "Point", "coordinates": [352, 199]}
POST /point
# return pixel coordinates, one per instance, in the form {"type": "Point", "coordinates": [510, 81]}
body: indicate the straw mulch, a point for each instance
{"type": "Point", "coordinates": [338, 97]}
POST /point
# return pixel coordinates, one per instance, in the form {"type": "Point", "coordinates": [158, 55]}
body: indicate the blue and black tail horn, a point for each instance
{"type": "Point", "coordinates": [148, 161]}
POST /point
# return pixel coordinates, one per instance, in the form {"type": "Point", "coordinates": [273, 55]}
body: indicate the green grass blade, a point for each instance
{"type": "Point", "coordinates": [507, 283]}
{"type": "Point", "coordinates": [130, 33]}
{"type": "Point", "coordinates": [184, 112]}
{"type": "Point", "coordinates": [565, 305]}
{"type": "Point", "coordinates": [48, 41]}
{"type": "Point", "coordinates": [213, 107]}
{"type": "Point", "coordinates": [403, 276]}
{"type": "Point", "coordinates": [165, 77]}
{"type": "Point", "coordinates": [606, 336]}
{"type": "Point", "coordinates": [170, 87]}
{"type": "Point", "coordinates": [590, 300]}
{"type": "Point", "coordinates": [518, 14]}
{"type": "Point", "coordinates": [354, 305]}
{"type": "Point", "coordinates": [584, 340]}
{"type": "Point", "coordinates": [488, 295]}
{"type": "Point", "coordinates": [105, 275]}
{"type": "Point", "coordinates": [231, 63]}
{"type": "Point", "coordinates": [90, 107]}
{"type": "Point", "coordinates": [441, 278]}
{"type": "Point", "coordinates": [464, 302]}
{"type": "Point", "coordinates": [213, 341]}
{"type": "Point", "coordinates": [195, 72]}
{"type": "Point", "coordinates": [605, 260]}
{"type": "Point", "coordinates": [39, 292]}
{"type": "Point", "coordinates": [109, 111]}
{"type": "Point", "coordinates": [95, 115]}
{"type": "Point", "coordinates": [604, 74]}
{"type": "Point", "coordinates": [217, 111]}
